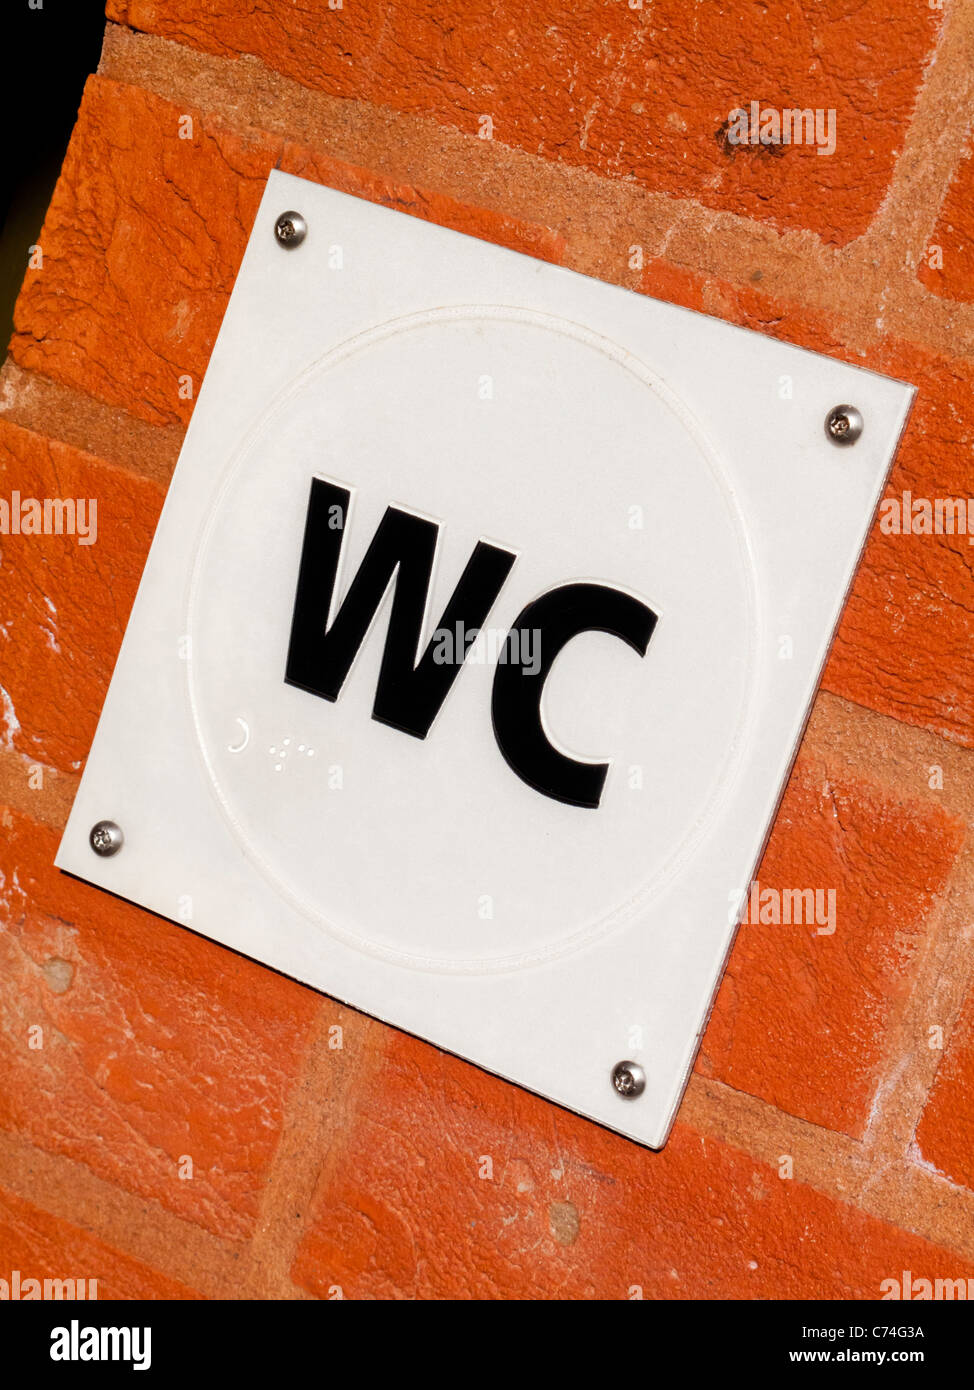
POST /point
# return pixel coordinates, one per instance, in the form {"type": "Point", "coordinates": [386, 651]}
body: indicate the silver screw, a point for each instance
{"type": "Point", "coordinates": [290, 229]}
{"type": "Point", "coordinates": [629, 1079]}
{"type": "Point", "coordinates": [843, 424]}
{"type": "Point", "coordinates": [106, 838]}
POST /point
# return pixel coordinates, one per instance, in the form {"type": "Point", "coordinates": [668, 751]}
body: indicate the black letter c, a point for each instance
{"type": "Point", "coordinates": [558, 616]}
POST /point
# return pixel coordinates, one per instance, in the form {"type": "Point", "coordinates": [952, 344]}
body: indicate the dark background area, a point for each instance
{"type": "Point", "coordinates": [47, 55]}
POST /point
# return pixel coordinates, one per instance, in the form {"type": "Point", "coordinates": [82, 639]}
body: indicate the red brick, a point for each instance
{"type": "Point", "coordinates": [638, 94]}
{"type": "Point", "coordinates": [63, 604]}
{"type": "Point", "coordinates": [945, 1134]}
{"type": "Point", "coordinates": [141, 245]}
{"type": "Point", "coordinates": [801, 1019]}
{"type": "Point", "coordinates": [157, 1043]}
{"type": "Point", "coordinates": [947, 260]}
{"type": "Point", "coordinates": [41, 1246]}
{"type": "Point", "coordinates": [572, 1211]}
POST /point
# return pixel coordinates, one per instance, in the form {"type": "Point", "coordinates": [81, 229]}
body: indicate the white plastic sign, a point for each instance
{"type": "Point", "coordinates": [475, 643]}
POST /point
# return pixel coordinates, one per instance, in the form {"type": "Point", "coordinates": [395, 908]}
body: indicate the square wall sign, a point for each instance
{"type": "Point", "coordinates": [476, 640]}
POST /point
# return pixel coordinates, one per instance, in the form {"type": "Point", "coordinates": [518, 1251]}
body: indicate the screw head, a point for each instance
{"type": "Point", "coordinates": [290, 229]}
{"type": "Point", "coordinates": [106, 838]}
{"type": "Point", "coordinates": [843, 424]}
{"type": "Point", "coordinates": [629, 1079]}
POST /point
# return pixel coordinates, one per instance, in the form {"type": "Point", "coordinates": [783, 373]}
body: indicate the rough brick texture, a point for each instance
{"type": "Point", "coordinates": [824, 1144]}
{"type": "Point", "coordinates": [64, 603]}
{"type": "Point", "coordinates": [538, 1208]}
{"type": "Point", "coordinates": [803, 1012]}
{"type": "Point", "coordinates": [617, 89]}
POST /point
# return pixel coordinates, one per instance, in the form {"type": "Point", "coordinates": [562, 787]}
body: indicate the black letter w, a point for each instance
{"type": "Point", "coordinates": [319, 658]}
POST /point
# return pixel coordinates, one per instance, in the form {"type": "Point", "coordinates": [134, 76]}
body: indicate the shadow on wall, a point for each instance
{"type": "Point", "coordinates": [50, 47]}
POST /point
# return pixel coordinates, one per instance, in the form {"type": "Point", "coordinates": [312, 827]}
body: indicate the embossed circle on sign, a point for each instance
{"type": "Point", "coordinates": [533, 433]}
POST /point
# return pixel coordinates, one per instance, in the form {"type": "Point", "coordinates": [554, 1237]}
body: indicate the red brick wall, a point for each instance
{"type": "Point", "coordinates": [827, 1138]}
